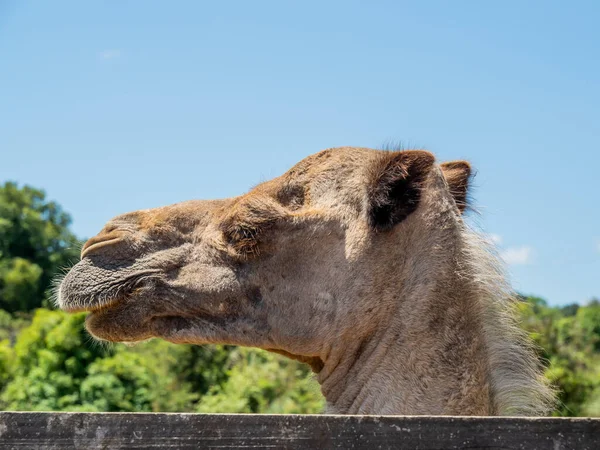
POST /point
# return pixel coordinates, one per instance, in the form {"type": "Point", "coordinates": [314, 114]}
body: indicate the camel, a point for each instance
{"type": "Point", "coordinates": [356, 261]}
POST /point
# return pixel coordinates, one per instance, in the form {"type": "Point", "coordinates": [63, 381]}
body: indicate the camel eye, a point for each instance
{"type": "Point", "coordinates": [249, 221]}
{"type": "Point", "coordinates": [292, 196]}
{"type": "Point", "coordinates": [244, 239]}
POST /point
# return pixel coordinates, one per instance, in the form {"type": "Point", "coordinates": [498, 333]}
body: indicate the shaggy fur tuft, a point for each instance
{"type": "Point", "coordinates": [517, 382]}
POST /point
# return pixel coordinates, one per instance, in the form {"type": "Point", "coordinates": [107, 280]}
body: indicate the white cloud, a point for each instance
{"type": "Point", "coordinates": [110, 54]}
{"type": "Point", "coordinates": [517, 255]}
{"type": "Point", "coordinates": [495, 239]}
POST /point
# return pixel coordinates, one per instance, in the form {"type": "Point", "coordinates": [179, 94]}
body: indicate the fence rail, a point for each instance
{"type": "Point", "coordinates": [24, 430]}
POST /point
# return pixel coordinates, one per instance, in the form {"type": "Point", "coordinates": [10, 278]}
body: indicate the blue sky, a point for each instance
{"type": "Point", "coordinates": [119, 105]}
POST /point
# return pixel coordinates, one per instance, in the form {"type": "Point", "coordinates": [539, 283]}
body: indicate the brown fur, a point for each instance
{"type": "Point", "coordinates": [355, 261]}
{"type": "Point", "coordinates": [457, 174]}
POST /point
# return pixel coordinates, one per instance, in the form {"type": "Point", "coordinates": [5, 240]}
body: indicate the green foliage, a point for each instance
{"type": "Point", "coordinates": [35, 243]}
{"type": "Point", "coordinates": [56, 366]}
{"type": "Point", "coordinates": [50, 361]}
{"type": "Point", "coordinates": [129, 381]}
{"type": "Point", "coordinates": [202, 367]}
{"type": "Point", "coordinates": [569, 339]}
{"type": "Point", "coordinates": [11, 325]}
{"type": "Point", "coordinates": [7, 357]}
{"type": "Point", "coordinates": [21, 281]}
{"type": "Point", "coordinates": [261, 382]}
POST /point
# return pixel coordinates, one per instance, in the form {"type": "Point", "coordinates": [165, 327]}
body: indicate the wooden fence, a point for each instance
{"type": "Point", "coordinates": [24, 430]}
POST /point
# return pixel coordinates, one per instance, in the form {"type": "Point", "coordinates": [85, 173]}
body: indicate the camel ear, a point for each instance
{"type": "Point", "coordinates": [395, 183]}
{"type": "Point", "coordinates": [458, 174]}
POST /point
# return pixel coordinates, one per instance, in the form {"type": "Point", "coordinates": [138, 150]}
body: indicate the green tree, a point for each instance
{"type": "Point", "coordinates": [6, 362]}
{"type": "Point", "coordinates": [57, 366]}
{"type": "Point", "coordinates": [133, 380]}
{"type": "Point", "coordinates": [203, 366]}
{"type": "Point", "coordinates": [262, 382]}
{"type": "Point", "coordinates": [49, 362]}
{"type": "Point", "coordinates": [35, 243]}
{"type": "Point", "coordinates": [569, 340]}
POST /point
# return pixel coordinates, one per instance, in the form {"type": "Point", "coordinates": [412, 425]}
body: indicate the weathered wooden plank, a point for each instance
{"type": "Point", "coordinates": [20, 430]}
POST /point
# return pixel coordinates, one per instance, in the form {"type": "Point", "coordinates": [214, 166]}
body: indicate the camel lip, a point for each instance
{"type": "Point", "coordinates": [93, 307]}
{"type": "Point", "coordinates": [77, 291]}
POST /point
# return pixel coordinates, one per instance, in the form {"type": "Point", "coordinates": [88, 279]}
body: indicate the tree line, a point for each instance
{"type": "Point", "coordinates": [49, 362]}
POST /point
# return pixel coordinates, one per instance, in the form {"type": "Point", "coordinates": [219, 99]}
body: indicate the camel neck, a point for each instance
{"type": "Point", "coordinates": [411, 366]}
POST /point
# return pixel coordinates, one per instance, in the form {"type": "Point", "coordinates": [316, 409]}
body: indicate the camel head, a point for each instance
{"type": "Point", "coordinates": [307, 264]}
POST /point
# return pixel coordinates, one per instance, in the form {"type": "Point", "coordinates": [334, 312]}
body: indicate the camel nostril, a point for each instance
{"type": "Point", "coordinates": [102, 240]}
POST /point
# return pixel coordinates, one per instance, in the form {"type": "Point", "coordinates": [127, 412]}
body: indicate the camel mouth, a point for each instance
{"type": "Point", "coordinates": [73, 299]}
{"type": "Point", "coordinates": [80, 291]}
{"type": "Point", "coordinates": [101, 302]}
{"type": "Point", "coordinates": [118, 323]}
{"type": "Point", "coordinates": [124, 322]}
{"type": "Point", "coordinates": [95, 306]}
{"type": "Point", "coordinates": [96, 302]}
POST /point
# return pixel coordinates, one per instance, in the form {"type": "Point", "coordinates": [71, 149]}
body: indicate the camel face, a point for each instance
{"type": "Point", "coordinates": [291, 266]}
